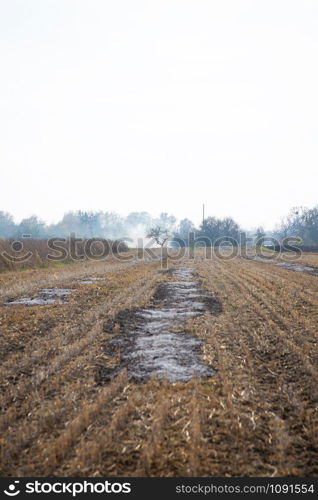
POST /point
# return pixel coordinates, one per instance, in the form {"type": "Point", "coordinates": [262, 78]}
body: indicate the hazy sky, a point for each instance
{"type": "Point", "coordinates": [159, 106]}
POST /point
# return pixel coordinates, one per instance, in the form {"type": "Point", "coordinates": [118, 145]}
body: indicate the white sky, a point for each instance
{"type": "Point", "coordinates": [159, 106]}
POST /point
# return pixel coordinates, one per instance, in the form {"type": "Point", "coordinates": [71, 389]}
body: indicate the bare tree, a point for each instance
{"type": "Point", "coordinates": [159, 234]}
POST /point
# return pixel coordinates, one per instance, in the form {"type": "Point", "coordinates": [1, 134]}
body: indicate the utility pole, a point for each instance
{"type": "Point", "coordinates": [203, 215]}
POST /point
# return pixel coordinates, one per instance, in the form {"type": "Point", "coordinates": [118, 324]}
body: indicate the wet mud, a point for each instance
{"type": "Point", "coordinates": [46, 296]}
{"type": "Point", "coordinates": [290, 266]}
{"type": "Point", "coordinates": [299, 269]}
{"type": "Point", "coordinates": [153, 341]}
{"type": "Point", "coordinates": [89, 281]}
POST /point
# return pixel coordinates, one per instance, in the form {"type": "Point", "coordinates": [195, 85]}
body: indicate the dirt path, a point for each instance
{"type": "Point", "coordinates": [256, 415]}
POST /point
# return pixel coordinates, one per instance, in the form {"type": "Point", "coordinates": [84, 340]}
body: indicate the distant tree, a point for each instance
{"type": "Point", "coordinates": [210, 228]}
{"type": "Point", "coordinates": [301, 222]}
{"type": "Point", "coordinates": [185, 227]}
{"type": "Point", "coordinates": [182, 234]}
{"type": "Point", "coordinates": [219, 229]}
{"type": "Point", "coordinates": [312, 225]}
{"type": "Point", "coordinates": [32, 226]}
{"type": "Point", "coordinates": [259, 236]}
{"type": "Point", "coordinates": [89, 223]}
{"type": "Point", "coordinates": [70, 223]}
{"type": "Point", "coordinates": [159, 234]}
{"type": "Point", "coordinates": [7, 225]}
{"type": "Point", "coordinates": [229, 228]}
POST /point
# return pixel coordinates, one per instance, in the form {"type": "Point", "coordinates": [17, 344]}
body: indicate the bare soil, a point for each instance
{"type": "Point", "coordinates": [255, 414]}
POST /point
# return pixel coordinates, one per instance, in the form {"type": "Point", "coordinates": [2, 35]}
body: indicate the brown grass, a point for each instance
{"type": "Point", "coordinates": [256, 416]}
{"type": "Point", "coordinates": [37, 254]}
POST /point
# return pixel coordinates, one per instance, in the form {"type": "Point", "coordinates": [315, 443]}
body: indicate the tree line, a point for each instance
{"type": "Point", "coordinates": [301, 222]}
{"type": "Point", "coordinates": [85, 224]}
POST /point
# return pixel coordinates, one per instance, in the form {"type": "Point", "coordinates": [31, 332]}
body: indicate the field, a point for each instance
{"type": "Point", "coordinates": [70, 406]}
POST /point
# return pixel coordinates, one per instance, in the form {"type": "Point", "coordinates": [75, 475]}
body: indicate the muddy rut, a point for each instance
{"type": "Point", "coordinates": [153, 341]}
{"type": "Point", "coordinates": [290, 266]}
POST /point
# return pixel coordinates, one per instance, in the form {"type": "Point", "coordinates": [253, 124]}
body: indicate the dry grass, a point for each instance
{"type": "Point", "coordinates": [33, 254]}
{"type": "Point", "coordinates": [256, 416]}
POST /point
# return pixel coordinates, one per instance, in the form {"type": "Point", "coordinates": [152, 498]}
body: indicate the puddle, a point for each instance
{"type": "Point", "coordinates": [287, 265]}
{"type": "Point", "coordinates": [267, 260]}
{"type": "Point", "coordinates": [152, 341]}
{"type": "Point", "coordinates": [299, 269]}
{"type": "Point", "coordinates": [46, 296]}
{"type": "Point", "coordinates": [89, 281]}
